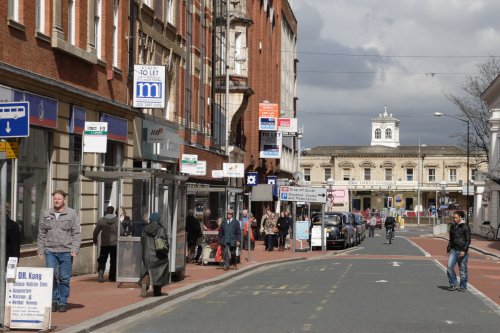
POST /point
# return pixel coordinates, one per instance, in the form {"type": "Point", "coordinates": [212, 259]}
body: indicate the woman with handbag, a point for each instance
{"type": "Point", "coordinates": [154, 242]}
{"type": "Point", "coordinates": [271, 230]}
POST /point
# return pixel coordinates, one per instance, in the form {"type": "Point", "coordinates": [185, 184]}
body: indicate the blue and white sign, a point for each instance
{"type": "Point", "coordinates": [149, 86]}
{"type": "Point", "coordinates": [14, 120]}
{"type": "Point", "coordinates": [252, 178]}
{"type": "Point", "coordinates": [270, 144]}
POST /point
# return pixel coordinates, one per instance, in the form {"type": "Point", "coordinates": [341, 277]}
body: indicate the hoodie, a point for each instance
{"type": "Point", "coordinates": [107, 226]}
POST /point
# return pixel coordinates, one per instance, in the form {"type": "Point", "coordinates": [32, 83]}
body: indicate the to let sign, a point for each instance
{"type": "Point", "coordinates": [303, 194]}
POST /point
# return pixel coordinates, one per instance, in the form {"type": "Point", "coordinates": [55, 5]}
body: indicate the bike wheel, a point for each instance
{"type": "Point", "coordinates": [390, 237]}
{"type": "Point", "coordinates": [490, 235]}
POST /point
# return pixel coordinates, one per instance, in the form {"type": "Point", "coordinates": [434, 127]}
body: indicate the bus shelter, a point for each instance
{"type": "Point", "coordinates": [152, 191]}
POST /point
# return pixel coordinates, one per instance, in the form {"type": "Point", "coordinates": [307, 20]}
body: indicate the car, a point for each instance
{"type": "Point", "coordinates": [339, 228]}
{"type": "Point", "coordinates": [360, 225]}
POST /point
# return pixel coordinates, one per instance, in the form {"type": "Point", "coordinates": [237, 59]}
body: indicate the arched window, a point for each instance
{"type": "Point", "coordinates": [388, 133]}
{"type": "Point", "coordinates": [378, 133]}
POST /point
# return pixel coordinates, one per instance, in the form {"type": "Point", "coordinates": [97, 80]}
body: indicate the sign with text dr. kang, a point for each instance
{"type": "Point", "coordinates": [28, 300]}
{"type": "Point", "coordinates": [149, 86]}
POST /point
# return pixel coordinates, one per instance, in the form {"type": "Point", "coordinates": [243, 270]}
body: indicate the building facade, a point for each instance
{"type": "Point", "coordinates": [412, 178]}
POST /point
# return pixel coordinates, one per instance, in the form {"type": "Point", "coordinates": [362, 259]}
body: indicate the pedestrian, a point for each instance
{"type": "Point", "coordinates": [59, 241]}
{"type": "Point", "coordinates": [250, 223]}
{"type": "Point", "coordinates": [271, 231]}
{"type": "Point", "coordinates": [107, 227]}
{"type": "Point", "coordinates": [12, 237]}
{"type": "Point", "coordinates": [458, 251]}
{"type": "Point", "coordinates": [229, 239]}
{"type": "Point", "coordinates": [193, 229]}
{"type": "Point", "coordinates": [371, 225]}
{"type": "Point", "coordinates": [283, 225]}
{"type": "Point", "coordinates": [262, 223]}
{"type": "Point", "coordinates": [154, 265]}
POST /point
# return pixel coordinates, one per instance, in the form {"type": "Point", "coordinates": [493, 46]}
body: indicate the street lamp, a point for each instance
{"type": "Point", "coordinates": [439, 114]}
{"type": "Point", "coordinates": [330, 195]}
{"type": "Point", "coordinates": [420, 168]}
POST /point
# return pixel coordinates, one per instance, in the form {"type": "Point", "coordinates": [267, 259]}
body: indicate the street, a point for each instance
{"type": "Point", "coordinates": [375, 287]}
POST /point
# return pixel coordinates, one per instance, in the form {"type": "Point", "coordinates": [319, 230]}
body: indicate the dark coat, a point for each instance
{"type": "Point", "coordinates": [230, 232]}
{"type": "Point", "coordinates": [283, 225]}
{"type": "Point", "coordinates": [460, 237]}
{"type": "Point", "coordinates": [152, 265]}
{"type": "Point", "coordinates": [193, 229]}
{"type": "Point", "coordinates": [12, 240]}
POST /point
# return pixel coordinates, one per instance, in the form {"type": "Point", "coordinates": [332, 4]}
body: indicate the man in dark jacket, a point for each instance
{"type": "Point", "coordinates": [12, 237]}
{"type": "Point", "coordinates": [107, 226]}
{"type": "Point", "coordinates": [458, 247]}
{"type": "Point", "coordinates": [193, 230]}
{"type": "Point", "coordinates": [229, 238]}
{"type": "Point", "coordinates": [390, 223]}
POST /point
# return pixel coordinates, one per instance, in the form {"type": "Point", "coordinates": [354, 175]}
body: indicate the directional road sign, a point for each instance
{"type": "Point", "coordinates": [14, 120]}
{"type": "Point", "coordinates": [304, 194]}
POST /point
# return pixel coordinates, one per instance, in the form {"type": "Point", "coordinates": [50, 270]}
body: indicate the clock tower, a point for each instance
{"type": "Point", "coordinates": [385, 130]}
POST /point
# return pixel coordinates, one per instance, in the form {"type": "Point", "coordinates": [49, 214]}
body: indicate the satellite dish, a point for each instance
{"type": "Point", "coordinates": [297, 176]}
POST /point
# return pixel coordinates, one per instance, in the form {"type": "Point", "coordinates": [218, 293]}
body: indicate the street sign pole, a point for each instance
{"type": "Point", "coordinates": [294, 227]}
{"type": "Point", "coordinates": [3, 229]}
{"type": "Point", "coordinates": [249, 225]}
{"type": "Point", "coordinates": [323, 245]}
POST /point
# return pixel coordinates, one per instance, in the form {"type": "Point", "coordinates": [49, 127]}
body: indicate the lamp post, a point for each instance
{"type": "Point", "coordinates": [439, 114]}
{"type": "Point", "coordinates": [443, 184]}
{"type": "Point", "coordinates": [419, 180]}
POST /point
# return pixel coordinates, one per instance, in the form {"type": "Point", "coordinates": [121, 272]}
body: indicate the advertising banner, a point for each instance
{"type": "Point", "coordinates": [270, 144]}
{"type": "Point", "coordinates": [288, 126]}
{"type": "Point", "coordinates": [268, 116]}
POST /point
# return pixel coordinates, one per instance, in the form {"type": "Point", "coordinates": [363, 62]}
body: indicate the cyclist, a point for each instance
{"type": "Point", "coordinates": [390, 223]}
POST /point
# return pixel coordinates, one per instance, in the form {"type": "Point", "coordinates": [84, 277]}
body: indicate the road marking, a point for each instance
{"type": "Point", "coordinates": [323, 301]}
{"type": "Point", "coordinates": [306, 327]}
{"type": "Point", "coordinates": [318, 309]}
{"type": "Point", "coordinates": [381, 281]}
{"type": "Point", "coordinates": [427, 254]}
{"type": "Point", "coordinates": [395, 264]}
{"type": "Point", "coordinates": [313, 316]}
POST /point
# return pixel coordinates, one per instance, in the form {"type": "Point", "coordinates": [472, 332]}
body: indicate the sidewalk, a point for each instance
{"type": "Point", "coordinates": [93, 304]}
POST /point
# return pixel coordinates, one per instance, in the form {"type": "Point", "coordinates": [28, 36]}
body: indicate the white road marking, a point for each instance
{"type": "Point", "coordinates": [395, 264]}
{"type": "Point", "coordinates": [381, 281]}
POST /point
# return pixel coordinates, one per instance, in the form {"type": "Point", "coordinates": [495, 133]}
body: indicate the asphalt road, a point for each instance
{"type": "Point", "coordinates": [362, 290]}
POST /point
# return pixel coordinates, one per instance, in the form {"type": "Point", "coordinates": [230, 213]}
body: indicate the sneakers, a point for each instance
{"type": "Point", "coordinates": [62, 308]}
{"type": "Point", "coordinates": [452, 288]}
{"type": "Point", "coordinates": [100, 276]}
{"type": "Point", "coordinates": [144, 290]}
{"type": "Point", "coordinates": [462, 289]}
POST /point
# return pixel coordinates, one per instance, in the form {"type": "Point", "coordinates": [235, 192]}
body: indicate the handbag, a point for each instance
{"type": "Point", "coordinates": [218, 254]}
{"type": "Point", "coordinates": [161, 246]}
{"type": "Point", "coordinates": [275, 230]}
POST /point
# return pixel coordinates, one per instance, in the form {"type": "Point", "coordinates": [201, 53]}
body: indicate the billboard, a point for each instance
{"type": "Point", "coordinates": [149, 86]}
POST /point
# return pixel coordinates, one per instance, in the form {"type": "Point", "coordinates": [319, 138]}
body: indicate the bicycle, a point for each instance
{"type": "Point", "coordinates": [390, 235]}
{"type": "Point", "coordinates": [492, 234]}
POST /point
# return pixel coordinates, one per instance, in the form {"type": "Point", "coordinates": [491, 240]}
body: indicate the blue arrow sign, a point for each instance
{"type": "Point", "coordinates": [14, 120]}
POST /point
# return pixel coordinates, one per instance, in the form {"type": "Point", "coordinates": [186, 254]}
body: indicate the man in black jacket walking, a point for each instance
{"type": "Point", "coordinates": [458, 247]}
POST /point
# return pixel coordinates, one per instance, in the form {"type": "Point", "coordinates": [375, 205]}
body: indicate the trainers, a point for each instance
{"type": "Point", "coordinates": [462, 289]}
{"type": "Point", "coordinates": [54, 306]}
{"type": "Point", "coordinates": [452, 288]}
{"type": "Point", "coordinates": [62, 308]}
{"type": "Point", "coordinates": [144, 290]}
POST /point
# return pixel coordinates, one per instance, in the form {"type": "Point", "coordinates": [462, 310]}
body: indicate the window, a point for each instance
{"type": "Point", "coordinates": [40, 16]}
{"type": "Point", "coordinates": [432, 175]}
{"type": "Point", "coordinates": [14, 10]}
{"type": "Point", "coordinates": [473, 174]}
{"type": "Point", "coordinates": [307, 174]}
{"type": "Point", "coordinates": [388, 174]}
{"type": "Point", "coordinates": [409, 174]}
{"type": "Point", "coordinates": [98, 29]}
{"type": "Point", "coordinates": [75, 157]}
{"type": "Point", "coordinates": [367, 174]}
{"type": "Point", "coordinates": [346, 174]}
{"type": "Point", "coordinates": [71, 22]}
{"type": "Point", "coordinates": [388, 133]}
{"type": "Point", "coordinates": [328, 173]}
{"type": "Point", "coordinates": [170, 12]}
{"type": "Point", "coordinates": [453, 176]}
{"type": "Point", "coordinates": [378, 134]}
{"type": "Point", "coordinates": [116, 5]}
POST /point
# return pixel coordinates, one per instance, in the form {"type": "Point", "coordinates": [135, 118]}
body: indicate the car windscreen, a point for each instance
{"type": "Point", "coordinates": [330, 220]}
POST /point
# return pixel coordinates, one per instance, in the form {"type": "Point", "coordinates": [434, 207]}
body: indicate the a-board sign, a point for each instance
{"type": "Point", "coordinates": [306, 194]}
{"type": "Point", "coordinates": [316, 236]}
{"type": "Point", "coordinates": [28, 300]}
{"type": "Point", "coordinates": [302, 230]}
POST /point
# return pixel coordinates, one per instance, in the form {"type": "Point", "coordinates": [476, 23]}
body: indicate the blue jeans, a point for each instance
{"type": "Point", "coordinates": [453, 259]}
{"type": "Point", "coordinates": [60, 286]}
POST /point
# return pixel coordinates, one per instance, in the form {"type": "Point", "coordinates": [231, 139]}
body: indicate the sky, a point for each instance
{"type": "Point", "coordinates": [358, 56]}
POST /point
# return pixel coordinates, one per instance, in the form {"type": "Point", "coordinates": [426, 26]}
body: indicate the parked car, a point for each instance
{"type": "Point", "coordinates": [360, 225]}
{"type": "Point", "coordinates": [339, 228]}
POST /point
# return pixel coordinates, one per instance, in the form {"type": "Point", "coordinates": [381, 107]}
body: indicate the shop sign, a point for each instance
{"type": "Point", "coordinates": [233, 170]}
{"type": "Point", "coordinates": [95, 137]}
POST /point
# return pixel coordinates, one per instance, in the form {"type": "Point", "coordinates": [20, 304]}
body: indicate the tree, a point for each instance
{"type": "Point", "coordinates": [472, 108]}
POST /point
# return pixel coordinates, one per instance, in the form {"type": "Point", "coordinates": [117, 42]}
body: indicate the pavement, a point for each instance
{"type": "Point", "coordinates": [93, 305]}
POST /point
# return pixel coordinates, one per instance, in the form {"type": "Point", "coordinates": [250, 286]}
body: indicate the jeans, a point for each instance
{"type": "Point", "coordinates": [371, 231]}
{"type": "Point", "coordinates": [103, 258]}
{"type": "Point", "coordinates": [453, 259]}
{"type": "Point", "coordinates": [62, 263]}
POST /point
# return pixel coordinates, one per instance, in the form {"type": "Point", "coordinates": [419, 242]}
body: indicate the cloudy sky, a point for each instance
{"type": "Point", "coordinates": [356, 56]}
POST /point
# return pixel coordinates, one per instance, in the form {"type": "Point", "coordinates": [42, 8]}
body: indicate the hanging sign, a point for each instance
{"type": "Point", "coordinates": [189, 163]}
{"type": "Point", "coordinates": [95, 137]}
{"type": "Point", "coordinates": [270, 144]}
{"type": "Point", "coordinates": [268, 116]}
